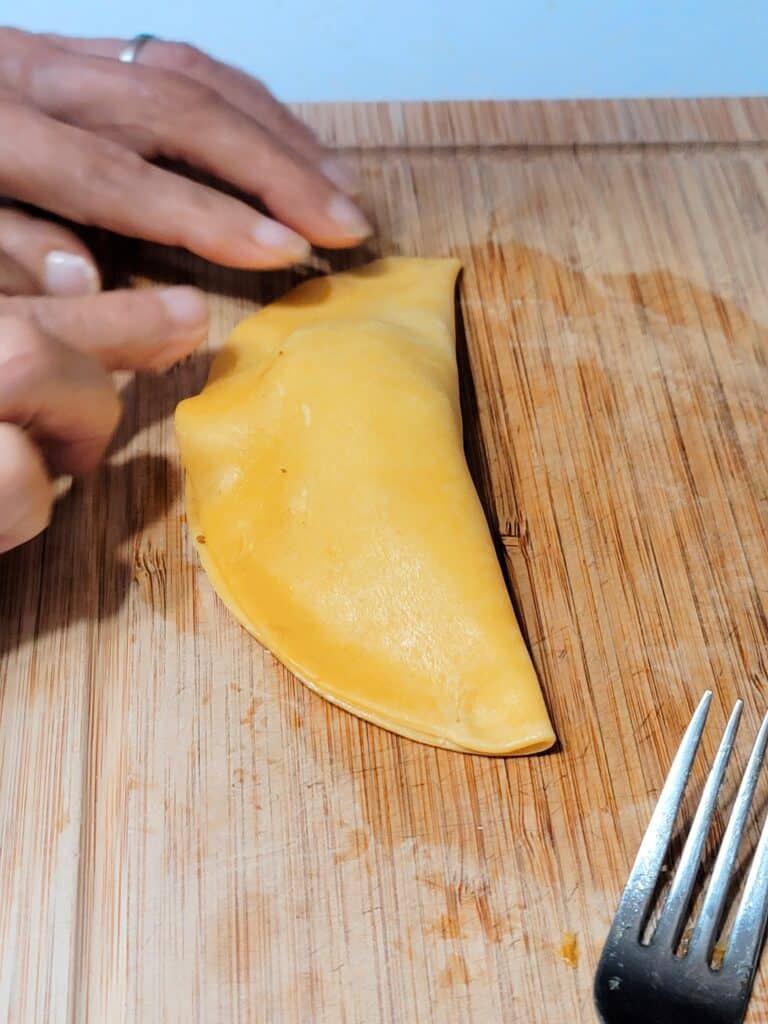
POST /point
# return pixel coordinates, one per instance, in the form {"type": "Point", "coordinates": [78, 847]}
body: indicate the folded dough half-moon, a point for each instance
{"type": "Point", "coordinates": [333, 510]}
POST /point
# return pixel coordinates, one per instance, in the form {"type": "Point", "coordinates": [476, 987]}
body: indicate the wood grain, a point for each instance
{"type": "Point", "coordinates": [540, 123]}
{"type": "Point", "coordinates": [189, 835]}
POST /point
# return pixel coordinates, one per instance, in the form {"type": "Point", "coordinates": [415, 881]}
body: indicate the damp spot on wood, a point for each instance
{"type": "Point", "coordinates": [356, 846]}
{"type": "Point", "coordinates": [454, 973]}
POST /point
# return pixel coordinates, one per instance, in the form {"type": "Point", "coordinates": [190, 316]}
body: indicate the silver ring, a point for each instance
{"type": "Point", "coordinates": [130, 52]}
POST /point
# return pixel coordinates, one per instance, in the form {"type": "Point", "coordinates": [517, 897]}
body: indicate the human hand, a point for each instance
{"type": "Point", "coordinates": [78, 130]}
{"type": "Point", "coordinates": [58, 407]}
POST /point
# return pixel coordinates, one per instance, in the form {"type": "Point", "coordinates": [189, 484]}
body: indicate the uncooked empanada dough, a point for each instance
{"type": "Point", "coordinates": [333, 510]}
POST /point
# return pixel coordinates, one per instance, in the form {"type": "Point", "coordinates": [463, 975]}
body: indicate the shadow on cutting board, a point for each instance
{"type": "Point", "coordinates": [78, 568]}
{"type": "Point", "coordinates": [74, 571]}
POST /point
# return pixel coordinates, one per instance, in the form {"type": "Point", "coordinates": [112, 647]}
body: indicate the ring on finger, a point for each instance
{"type": "Point", "coordinates": [130, 52]}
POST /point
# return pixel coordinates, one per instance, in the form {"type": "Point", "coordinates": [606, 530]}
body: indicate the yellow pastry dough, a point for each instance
{"type": "Point", "coordinates": [333, 510]}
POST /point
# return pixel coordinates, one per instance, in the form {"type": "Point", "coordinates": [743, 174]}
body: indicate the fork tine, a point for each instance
{"type": "Point", "coordinates": [672, 916]}
{"type": "Point", "coordinates": [752, 915]}
{"type": "Point", "coordinates": [749, 923]}
{"type": "Point", "coordinates": [636, 898]}
{"type": "Point", "coordinates": [711, 914]}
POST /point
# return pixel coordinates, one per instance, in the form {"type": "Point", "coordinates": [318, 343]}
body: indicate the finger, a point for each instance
{"type": "Point", "coordinates": [15, 279]}
{"type": "Point", "coordinates": [132, 329]}
{"type": "Point", "coordinates": [163, 113]}
{"type": "Point", "coordinates": [238, 88]}
{"type": "Point", "coordinates": [90, 180]}
{"type": "Point", "coordinates": [218, 138]}
{"type": "Point", "coordinates": [26, 496]}
{"type": "Point", "coordinates": [254, 99]}
{"type": "Point", "coordinates": [61, 398]}
{"type": "Point", "coordinates": [53, 258]}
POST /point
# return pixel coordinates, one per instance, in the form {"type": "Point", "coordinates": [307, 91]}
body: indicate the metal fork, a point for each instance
{"type": "Point", "coordinates": [649, 983]}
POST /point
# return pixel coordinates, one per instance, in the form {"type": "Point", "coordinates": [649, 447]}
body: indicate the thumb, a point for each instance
{"type": "Point", "coordinates": [63, 400]}
{"type": "Point", "coordinates": [25, 488]}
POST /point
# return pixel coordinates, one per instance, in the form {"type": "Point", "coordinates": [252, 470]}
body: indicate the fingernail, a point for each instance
{"type": "Point", "coordinates": [348, 217]}
{"type": "Point", "coordinates": [281, 239]}
{"type": "Point", "coordinates": [189, 312]}
{"type": "Point", "coordinates": [342, 174]}
{"type": "Point", "coordinates": [186, 306]}
{"type": "Point", "coordinates": [66, 273]}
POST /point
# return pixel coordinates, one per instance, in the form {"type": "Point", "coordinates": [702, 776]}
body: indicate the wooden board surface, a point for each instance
{"type": "Point", "coordinates": [189, 835]}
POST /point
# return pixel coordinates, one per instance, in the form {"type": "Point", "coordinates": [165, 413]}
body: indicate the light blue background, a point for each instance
{"type": "Point", "coordinates": [442, 49]}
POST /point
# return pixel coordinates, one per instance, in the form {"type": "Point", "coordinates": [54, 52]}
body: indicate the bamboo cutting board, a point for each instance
{"type": "Point", "coordinates": [189, 835]}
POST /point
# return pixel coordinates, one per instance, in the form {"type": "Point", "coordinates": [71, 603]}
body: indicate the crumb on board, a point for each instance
{"type": "Point", "coordinates": [718, 954]}
{"type": "Point", "coordinates": [569, 949]}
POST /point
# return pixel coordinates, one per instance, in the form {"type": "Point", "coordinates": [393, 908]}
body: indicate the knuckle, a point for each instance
{"type": "Point", "coordinates": [14, 40]}
{"type": "Point", "coordinates": [22, 475]}
{"type": "Point", "coordinates": [170, 100]}
{"type": "Point", "coordinates": [111, 156]}
{"type": "Point", "coordinates": [115, 168]}
{"type": "Point", "coordinates": [184, 57]}
{"type": "Point", "coordinates": [24, 57]}
{"type": "Point", "coordinates": [26, 355]}
{"type": "Point", "coordinates": [15, 119]}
